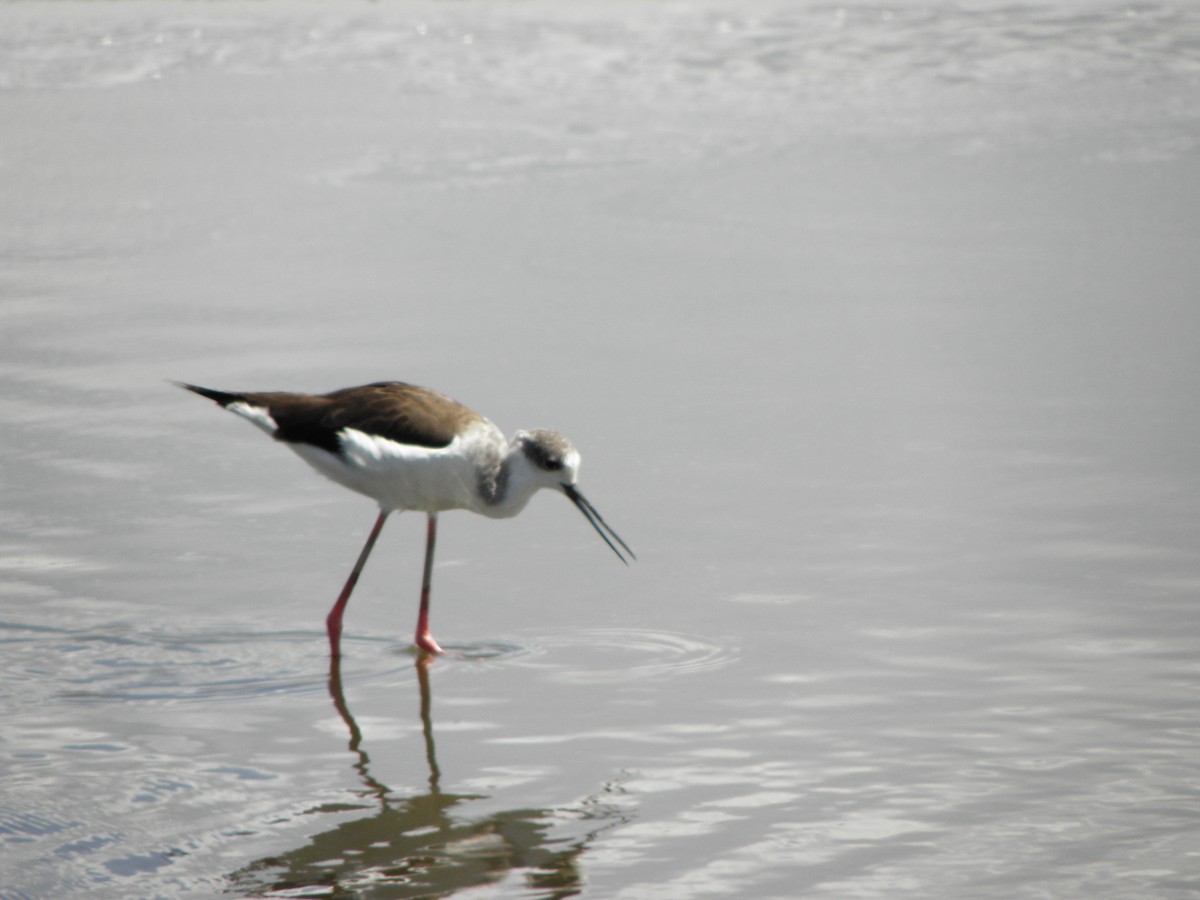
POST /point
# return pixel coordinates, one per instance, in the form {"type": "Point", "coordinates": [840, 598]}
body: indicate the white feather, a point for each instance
{"type": "Point", "coordinates": [402, 476]}
{"type": "Point", "coordinates": [256, 414]}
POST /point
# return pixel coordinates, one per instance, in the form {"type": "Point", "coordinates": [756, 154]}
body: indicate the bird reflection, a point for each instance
{"type": "Point", "coordinates": [422, 845]}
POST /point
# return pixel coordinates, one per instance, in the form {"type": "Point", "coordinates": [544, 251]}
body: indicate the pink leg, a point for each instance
{"type": "Point", "coordinates": [333, 622]}
{"type": "Point", "coordinates": [423, 638]}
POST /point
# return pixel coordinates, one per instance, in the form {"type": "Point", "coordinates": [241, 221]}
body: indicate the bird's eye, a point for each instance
{"type": "Point", "coordinates": [542, 456]}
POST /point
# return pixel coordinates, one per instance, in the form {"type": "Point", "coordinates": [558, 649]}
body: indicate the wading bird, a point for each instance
{"type": "Point", "coordinates": [410, 448]}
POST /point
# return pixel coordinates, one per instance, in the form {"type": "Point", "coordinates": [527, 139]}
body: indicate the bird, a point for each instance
{"type": "Point", "coordinates": [410, 448]}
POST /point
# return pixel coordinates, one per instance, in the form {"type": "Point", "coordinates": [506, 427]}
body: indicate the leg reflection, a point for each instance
{"type": "Point", "coordinates": [363, 762]}
{"type": "Point", "coordinates": [435, 774]}
{"type": "Point", "coordinates": [412, 844]}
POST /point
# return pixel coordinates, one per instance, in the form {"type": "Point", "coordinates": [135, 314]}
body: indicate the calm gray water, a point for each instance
{"type": "Point", "coordinates": [877, 328]}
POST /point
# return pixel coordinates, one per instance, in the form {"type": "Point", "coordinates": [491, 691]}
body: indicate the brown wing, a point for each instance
{"type": "Point", "coordinates": [399, 412]}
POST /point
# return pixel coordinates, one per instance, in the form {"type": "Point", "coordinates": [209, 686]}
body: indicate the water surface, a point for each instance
{"type": "Point", "coordinates": [876, 329]}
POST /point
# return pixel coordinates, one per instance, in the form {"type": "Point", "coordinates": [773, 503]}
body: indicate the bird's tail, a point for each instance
{"type": "Point", "coordinates": [224, 398]}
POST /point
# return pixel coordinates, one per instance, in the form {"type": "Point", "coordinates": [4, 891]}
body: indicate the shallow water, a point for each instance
{"type": "Point", "coordinates": [876, 329]}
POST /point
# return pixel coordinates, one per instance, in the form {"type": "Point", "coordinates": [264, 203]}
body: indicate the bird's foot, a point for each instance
{"type": "Point", "coordinates": [426, 644]}
{"type": "Point", "coordinates": [334, 630]}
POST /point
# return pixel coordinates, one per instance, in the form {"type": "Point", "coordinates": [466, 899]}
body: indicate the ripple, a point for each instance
{"type": "Point", "coordinates": [481, 651]}
{"type": "Point", "coordinates": [141, 665]}
{"type": "Point", "coordinates": [608, 655]}
{"type": "Point", "coordinates": [145, 665]}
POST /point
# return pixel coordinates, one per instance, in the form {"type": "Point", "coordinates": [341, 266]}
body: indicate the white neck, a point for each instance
{"type": "Point", "coordinates": [505, 491]}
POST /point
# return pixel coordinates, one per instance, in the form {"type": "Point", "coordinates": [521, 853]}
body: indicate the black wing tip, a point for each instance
{"type": "Point", "coordinates": [224, 398]}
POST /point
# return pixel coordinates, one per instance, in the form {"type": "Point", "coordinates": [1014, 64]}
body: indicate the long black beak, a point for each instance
{"type": "Point", "coordinates": [602, 528]}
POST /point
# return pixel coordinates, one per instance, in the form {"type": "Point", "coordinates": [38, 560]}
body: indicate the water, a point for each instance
{"type": "Point", "coordinates": [875, 326]}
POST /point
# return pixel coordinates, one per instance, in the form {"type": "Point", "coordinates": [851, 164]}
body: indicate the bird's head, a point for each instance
{"type": "Point", "coordinates": [554, 462]}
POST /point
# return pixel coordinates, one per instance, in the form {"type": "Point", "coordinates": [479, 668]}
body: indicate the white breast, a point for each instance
{"type": "Point", "coordinates": [405, 477]}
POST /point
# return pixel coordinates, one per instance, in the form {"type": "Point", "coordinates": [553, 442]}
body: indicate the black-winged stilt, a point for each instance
{"type": "Point", "coordinates": [410, 448]}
